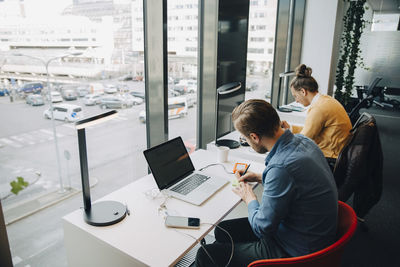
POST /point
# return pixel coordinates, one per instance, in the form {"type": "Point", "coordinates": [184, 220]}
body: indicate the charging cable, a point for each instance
{"type": "Point", "coordinates": [215, 164]}
{"type": "Point", "coordinates": [202, 243]}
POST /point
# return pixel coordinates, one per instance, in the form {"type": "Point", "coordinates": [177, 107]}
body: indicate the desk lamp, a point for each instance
{"type": "Point", "coordinates": [226, 91]}
{"type": "Point", "coordinates": [285, 92]}
{"type": "Point", "coordinates": [101, 213]}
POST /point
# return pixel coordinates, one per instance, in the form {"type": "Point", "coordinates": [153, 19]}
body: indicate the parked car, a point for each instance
{"type": "Point", "coordinates": [33, 87]}
{"type": "Point", "coordinates": [115, 102]}
{"type": "Point", "coordinates": [180, 88]}
{"type": "Point", "coordinates": [110, 89]}
{"type": "Point", "coordinates": [135, 100]}
{"type": "Point", "coordinates": [177, 108]}
{"type": "Point", "coordinates": [172, 93]}
{"type": "Point", "coordinates": [137, 94]}
{"type": "Point", "coordinates": [55, 97]}
{"type": "Point", "coordinates": [191, 100]}
{"type": "Point", "coordinates": [123, 88]}
{"type": "Point", "coordinates": [92, 99]}
{"type": "Point", "coordinates": [64, 112]}
{"type": "Point", "coordinates": [137, 78]}
{"type": "Point", "coordinates": [191, 85]}
{"type": "Point", "coordinates": [83, 90]}
{"type": "Point", "coordinates": [251, 86]}
{"type": "Point", "coordinates": [69, 93]}
{"type": "Point", "coordinates": [35, 100]}
{"type": "Point", "coordinates": [4, 91]}
{"type": "Point", "coordinates": [127, 77]}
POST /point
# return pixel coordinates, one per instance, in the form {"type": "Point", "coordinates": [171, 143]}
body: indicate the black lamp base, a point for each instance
{"type": "Point", "coordinates": [227, 142]}
{"type": "Point", "coordinates": [105, 213]}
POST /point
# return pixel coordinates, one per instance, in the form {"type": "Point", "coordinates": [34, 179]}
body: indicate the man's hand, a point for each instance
{"type": "Point", "coordinates": [245, 192]}
{"type": "Point", "coordinates": [285, 125]}
{"type": "Point", "coordinates": [248, 177]}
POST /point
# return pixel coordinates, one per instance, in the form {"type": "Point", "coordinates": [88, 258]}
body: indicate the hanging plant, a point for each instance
{"type": "Point", "coordinates": [353, 27]}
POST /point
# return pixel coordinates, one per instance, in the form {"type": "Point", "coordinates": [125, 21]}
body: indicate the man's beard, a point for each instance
{"type": "Point", "coordinates": [259, 149]}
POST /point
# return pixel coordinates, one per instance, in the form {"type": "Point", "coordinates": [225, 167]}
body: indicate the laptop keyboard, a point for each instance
{"type": "Point", "coordinates": [190, 184]}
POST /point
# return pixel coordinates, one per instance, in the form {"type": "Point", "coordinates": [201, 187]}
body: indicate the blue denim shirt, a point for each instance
{"type": "Point", "coordinates": [299, 202]}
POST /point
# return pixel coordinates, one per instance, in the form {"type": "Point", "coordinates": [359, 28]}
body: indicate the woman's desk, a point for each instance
{"type": "Point", "coordinates": [141, 239]}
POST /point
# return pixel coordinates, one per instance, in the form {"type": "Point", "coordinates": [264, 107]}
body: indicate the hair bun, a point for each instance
{"type": "Point", "coordinates": [303, 71]}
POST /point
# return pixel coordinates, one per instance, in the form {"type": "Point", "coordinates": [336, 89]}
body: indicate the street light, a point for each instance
{"type": "Point", "coordinates": [46, 64]}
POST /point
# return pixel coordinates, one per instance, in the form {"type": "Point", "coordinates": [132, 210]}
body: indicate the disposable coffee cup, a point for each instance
{"type": "Point", "coordinates": [223, 152]}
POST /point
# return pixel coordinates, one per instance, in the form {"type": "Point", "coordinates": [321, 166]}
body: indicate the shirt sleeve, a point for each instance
{"type": "Point", "coordinates": [315, 122]}
{"type": "Point", "coordinates": [278, 193]}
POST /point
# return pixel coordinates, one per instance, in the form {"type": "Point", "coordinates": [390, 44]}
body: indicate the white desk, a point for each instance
{"type": "Point", "coordinates": [141, 239]}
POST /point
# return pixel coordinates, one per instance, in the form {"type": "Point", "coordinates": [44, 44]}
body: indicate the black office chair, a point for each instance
{"type": "Point", "coordinates": [366, 102]}
{"type": "Point", "coordinates": [359, 166]}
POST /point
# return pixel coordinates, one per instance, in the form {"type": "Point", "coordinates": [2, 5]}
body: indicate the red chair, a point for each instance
{"type": "Point", "coordinates": [327, 257]}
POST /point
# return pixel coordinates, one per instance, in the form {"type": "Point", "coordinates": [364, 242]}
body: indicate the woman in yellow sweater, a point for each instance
{"type": "Point", "coordinates": [327, 122]}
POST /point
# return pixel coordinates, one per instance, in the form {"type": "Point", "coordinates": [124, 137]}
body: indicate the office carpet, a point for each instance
{"type": "Point", "coordinates": [380, 245]}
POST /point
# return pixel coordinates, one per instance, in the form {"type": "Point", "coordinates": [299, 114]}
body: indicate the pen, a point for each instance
{"type": "Point", "coordinates": [246, 170]}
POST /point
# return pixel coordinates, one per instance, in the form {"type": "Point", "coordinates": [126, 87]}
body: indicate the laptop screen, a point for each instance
{"type": "Point", "coordinates": [169, 162]}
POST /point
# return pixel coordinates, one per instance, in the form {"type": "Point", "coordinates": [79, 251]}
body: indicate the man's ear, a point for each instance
{"type": "Point", "coordinates": [254, 137]}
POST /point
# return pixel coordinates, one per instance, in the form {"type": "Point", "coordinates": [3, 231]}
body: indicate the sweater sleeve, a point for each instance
{"type": "Point", "coordinates": [315, 122]}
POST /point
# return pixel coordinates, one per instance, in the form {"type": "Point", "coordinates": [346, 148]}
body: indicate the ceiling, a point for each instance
{"type": "Point", "coordinates": [385, 5]}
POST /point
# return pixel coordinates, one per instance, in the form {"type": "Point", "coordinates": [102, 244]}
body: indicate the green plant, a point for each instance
{"type": "Point", "coordinates": [353, 27]}
{"type": "Point", "coordinates": [18, 185]}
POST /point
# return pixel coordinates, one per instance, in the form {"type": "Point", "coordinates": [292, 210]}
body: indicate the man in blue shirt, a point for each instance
{"type": "Point", "coordinates": [297, 214]}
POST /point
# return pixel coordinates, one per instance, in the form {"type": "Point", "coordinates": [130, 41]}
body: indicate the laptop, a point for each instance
{"type": "Point", "coordinates": [174, 172]}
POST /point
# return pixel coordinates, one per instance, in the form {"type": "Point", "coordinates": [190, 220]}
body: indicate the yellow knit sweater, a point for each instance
{"type": "Point", "coordinates": [328, 124]}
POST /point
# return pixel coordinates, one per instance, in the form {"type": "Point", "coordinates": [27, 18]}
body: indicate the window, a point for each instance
{"type": "Point", "coordinates": [255, 50]}
{"type": "Point", "coordinates": [109, 36]}
{"type": "Point", "coordinates": [182, 71]}
{"type": "Point", "coordinates": [259, 56]}
{"type": "Point", "coordinates": [385, 22]}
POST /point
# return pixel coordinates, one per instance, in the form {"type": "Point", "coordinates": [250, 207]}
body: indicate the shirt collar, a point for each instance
{"type": "Point", "coordinates": [284, 139]}
{"type": "Point", "coordinates": [315, 99]}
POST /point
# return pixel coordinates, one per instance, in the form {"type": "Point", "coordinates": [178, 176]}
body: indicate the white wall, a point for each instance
{"type": "Point", "coordinates": [320, 41]}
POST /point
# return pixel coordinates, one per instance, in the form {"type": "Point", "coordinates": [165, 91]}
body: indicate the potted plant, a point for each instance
{"type": "Point", "coordinates": [353, 27]}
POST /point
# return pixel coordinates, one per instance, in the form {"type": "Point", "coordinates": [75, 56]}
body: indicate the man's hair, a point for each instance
{"type": "Point", "coordinates": [256, 116]}
{"type": "Point", "coordinates": [304, 79]}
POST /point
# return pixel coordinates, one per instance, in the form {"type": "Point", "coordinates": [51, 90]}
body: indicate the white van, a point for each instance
{"type": "Point", "coordinates": [64, 112]}
{"type": "Point", "coordinates": [177, 108]}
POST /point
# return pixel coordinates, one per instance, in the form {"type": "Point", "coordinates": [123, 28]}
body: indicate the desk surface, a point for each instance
{"type": "Point", "coordinates": [142, 235]}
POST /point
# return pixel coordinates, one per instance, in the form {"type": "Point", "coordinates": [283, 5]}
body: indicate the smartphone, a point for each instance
{"type": "Point", "coordinates": [182, 222]}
